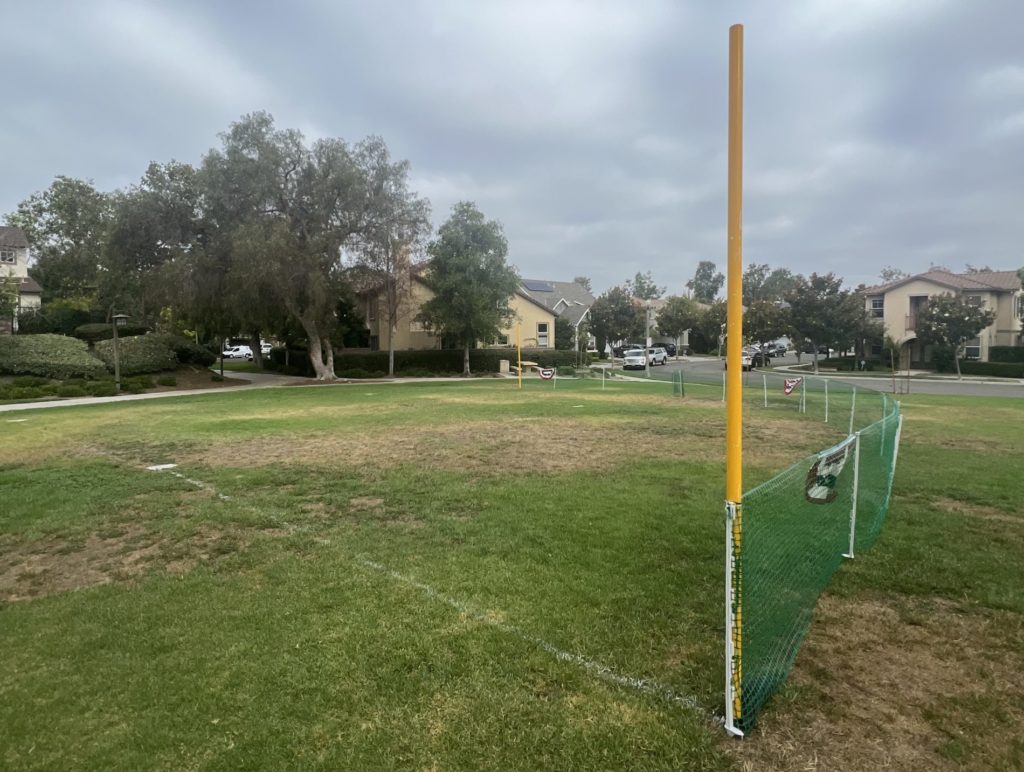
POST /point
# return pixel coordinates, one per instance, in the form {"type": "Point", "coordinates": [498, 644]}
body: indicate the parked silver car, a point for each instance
{"type": "Point", "coordinates": [657, 355]}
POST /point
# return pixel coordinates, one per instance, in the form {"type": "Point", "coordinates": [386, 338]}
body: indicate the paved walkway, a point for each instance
{"type": "Point", "coordinates": [249, 382]}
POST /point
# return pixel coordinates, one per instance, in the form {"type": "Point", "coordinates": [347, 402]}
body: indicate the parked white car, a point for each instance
{"type": "Point", "coordinates": [634, 358]}
{"type": "Point", "coordinates": [657, 355]}
{"type": "Point", "coordinates": [237, 352]}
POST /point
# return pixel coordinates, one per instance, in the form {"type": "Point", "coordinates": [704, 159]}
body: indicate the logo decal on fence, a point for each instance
{"type": "Point", "coordinates": [546, 373]}
{"type": "Point", "coordinates": [820, 486]}
{"type": "Point", "coordinates": [789, 384]}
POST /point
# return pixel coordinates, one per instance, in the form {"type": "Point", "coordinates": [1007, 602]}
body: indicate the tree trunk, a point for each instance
{"type": "Point", "coordinates": [324, 370]}
{"type": "Point", "coordinates": [391, 352]}
{"type": "Point", "coordinates": [956, 360]}
{"type": "Point", "coordinates": [329, 348]}
{"type": "Point", "coordinates": [815, 346]}
{"type": "Point", "coordinates": [257, 352]}
{"type": "Point", "coordinates": [465, 361]}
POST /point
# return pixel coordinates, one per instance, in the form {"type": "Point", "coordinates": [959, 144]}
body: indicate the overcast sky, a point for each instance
{"type": "Point", "coordinates": [878, 132]}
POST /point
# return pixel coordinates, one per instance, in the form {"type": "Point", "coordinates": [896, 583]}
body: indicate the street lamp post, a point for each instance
{"type": "Point", "coordinates": [117, 320]}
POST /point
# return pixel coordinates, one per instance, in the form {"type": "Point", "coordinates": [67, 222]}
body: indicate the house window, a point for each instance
{"type": "Point", "coordinates": [877, 307]}
{"type": "Point", "coordinates": [503, 340]}
{"type": "Point", "coordinates": [8, 255]}
{"type": "Point", "coordinates": [974, 300]}
{"type": "Point", "coordinates": [415, 326]}
{"type": "Point", "coordinates": [972, 349]}
{"type": "Point", "coordinates": [542, 334]}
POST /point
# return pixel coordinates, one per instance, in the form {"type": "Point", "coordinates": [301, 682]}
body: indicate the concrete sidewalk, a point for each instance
{"type": "Point", "coordinates": [250, 382]}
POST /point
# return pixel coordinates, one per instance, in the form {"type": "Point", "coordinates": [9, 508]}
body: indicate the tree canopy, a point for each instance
{"type": "Point", "coordinates": [616, 317]}
{"type": "Point", "coordinates": [471, 282]}
{"type": "Point", "coordinates": [948, 322]}
{"type": "Point", "coordinates": [642, 286]}
{"type": "Point", "coordinates": [706, 282]}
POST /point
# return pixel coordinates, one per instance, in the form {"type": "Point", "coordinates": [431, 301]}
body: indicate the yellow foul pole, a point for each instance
{"type": "Point", "coordinates": [734, 396]}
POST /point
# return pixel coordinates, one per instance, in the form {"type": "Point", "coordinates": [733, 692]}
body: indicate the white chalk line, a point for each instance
{"type": "Point", "coordinates": [603, 672]}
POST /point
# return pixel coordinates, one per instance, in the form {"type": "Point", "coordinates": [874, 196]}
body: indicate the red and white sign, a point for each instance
{"type": "Point", "coordinates": [789, 384]}
{"type": "Point", "coordinates": [546, 373]}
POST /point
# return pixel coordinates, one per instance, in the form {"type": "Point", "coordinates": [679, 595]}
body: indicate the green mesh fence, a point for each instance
{"type": "Point", "coordinates": [794, 530]}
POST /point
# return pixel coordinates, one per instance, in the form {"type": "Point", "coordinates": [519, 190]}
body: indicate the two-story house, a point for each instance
{"type": "Point", "coordinates": [14, 262]}
{"type": "Point", "coordinates": [532, 319]}
{"type": "Point", "coordinates": [897, 304]}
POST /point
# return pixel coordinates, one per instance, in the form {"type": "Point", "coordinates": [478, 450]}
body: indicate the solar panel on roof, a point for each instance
{"type": "Point", "coordinates": [538, 286]}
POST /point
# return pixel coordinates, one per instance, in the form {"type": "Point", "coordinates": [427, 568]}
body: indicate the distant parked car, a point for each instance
{"type": "Point", "coordinates": [780, 350]}
{"type": "Point", "coordinates": [670, 348]}
{"type": "Point", "coordinates": [238, 352]}
{"type": "Point", "coordinates": [620, 351]}
{"type": "Point", "coordinates": [634, 359]}
{"type": "Point", "coordinates": [746, 360]}
{"type": "Point", "coordinates": [657, 356]}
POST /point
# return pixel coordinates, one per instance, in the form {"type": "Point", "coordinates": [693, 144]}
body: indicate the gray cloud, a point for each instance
{"type": "Point", "coordinates": [877, 132]}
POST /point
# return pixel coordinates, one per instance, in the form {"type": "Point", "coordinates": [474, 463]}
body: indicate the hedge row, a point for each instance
{"type": "Point", "coordinates": [48, 356]}
{"type": "Point", "coordinates": [139, 354]}
{"type": "Point", "coordinates": [1000, 369]}
{"type": "Point", "coordinates": [450, 361]}
{"type": "Point", "coordinates": [419, 363]}
{"type": "Point", "coordinates": [1006, 354]}
{"type": "Point", "coordinates": [95, 331]}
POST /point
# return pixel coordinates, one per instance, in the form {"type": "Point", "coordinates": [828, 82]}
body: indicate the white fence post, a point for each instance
{"type": "Point", "coordinates": [764, 380]}
{"type": "Point", "coordinates": [803, 394]}
{"type": "Point", "coordinates": [826, 400]}
{"type": "Point", "coordinates": [723, 385]}
{"type": "Point", "coordinates": [856, 488]}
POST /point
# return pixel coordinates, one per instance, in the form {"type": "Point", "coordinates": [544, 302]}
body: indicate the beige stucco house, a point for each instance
{"type": "Point", "coordinates": [534, 322]}
{"type": "Point", "coordinates": [14, 262]}
{"type": "Point", "coordinates": [897, 304]}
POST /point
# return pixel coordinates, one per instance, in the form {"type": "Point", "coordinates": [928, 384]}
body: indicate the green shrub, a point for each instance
{"type": "Point", "coordinates": [1006, 354]}
{"type": "Point", "coordinates": [139, 354]}
{"type": "Point", "coordinates": [567, 370]}
{"type": "Point", "coordinates": [29, 380]}
{"type": "Point", "coordinates": [188, 352]}
{"type": "Point", "coordinates": [448, 361]}
{"type": "Point", "coordinates": [358, 373]}
{"type": "Point", "coordinates": [101, 389]}
{"type": "Point", "coordinates": [71, 391]}
{"type": "Point", "coordinates": [97, 331]}
{"type": "Point", "coordinates": [140, 382]}
{"type": "Point", "coordinates": [48, 356]}
{"type": "Point", "coordinates": [216, 378]}
{"type": "Point", "coordinates": [26, 392]}
{"type": "Point", "coordinates": [167, 380]}
{"type": "Point", "coordinates": [998, 369]}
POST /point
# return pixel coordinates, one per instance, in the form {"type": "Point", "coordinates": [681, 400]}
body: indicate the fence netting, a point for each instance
{"type": "Point", "coordinates": [793, 531]}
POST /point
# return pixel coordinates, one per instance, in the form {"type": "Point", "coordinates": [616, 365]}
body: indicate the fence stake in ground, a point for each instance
{"type": "Point", "coordinates": [826, 400]}
{"type": "Point", "coordinates": [723, 386]}
{"type": "Point", "coordinates": [856, 487]}
{"type": "Point", "coordinates": [764, 383]}
{"type": "Point", "coordinates": [853, 409]}
{"type": "Point", "coordinates": [803, 395]}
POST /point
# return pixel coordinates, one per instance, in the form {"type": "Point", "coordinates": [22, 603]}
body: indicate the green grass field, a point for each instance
{"type": "Point", "coordinates": [464, 576]}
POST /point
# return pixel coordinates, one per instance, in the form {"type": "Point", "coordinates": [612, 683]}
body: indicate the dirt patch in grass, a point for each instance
{"type": "Point", "coordinates": [980, 511]}
{"type": "Point", "coordinates": [516, 445]}
{"type": "Point", "coordinates": [884, 685]}
{"type": "Point", "coordinates": [52, 565]}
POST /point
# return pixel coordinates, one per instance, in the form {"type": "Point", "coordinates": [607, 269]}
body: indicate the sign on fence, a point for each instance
{"type": "Point", "coordinates": [789, 384]}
